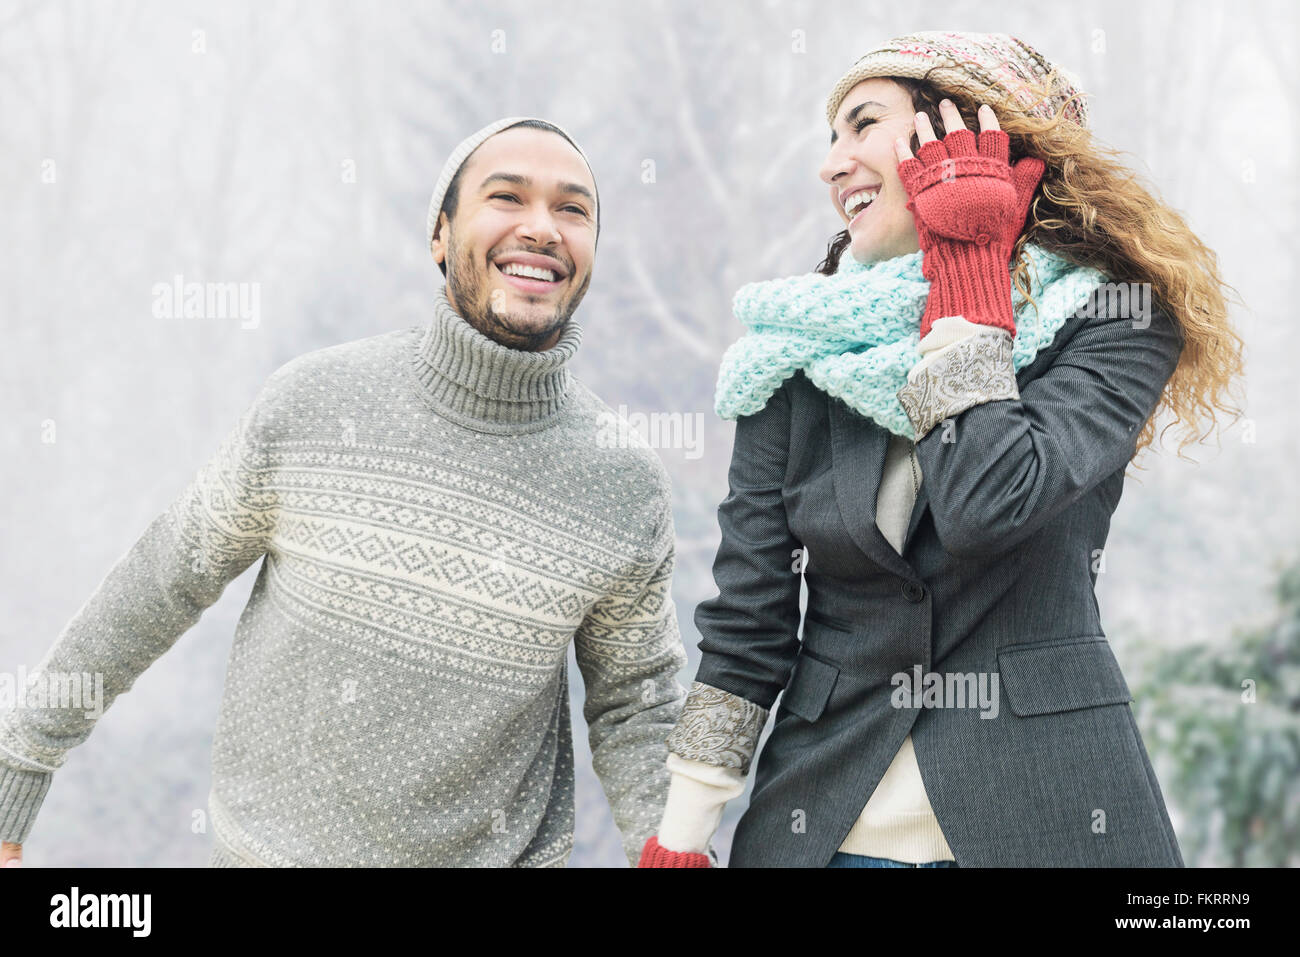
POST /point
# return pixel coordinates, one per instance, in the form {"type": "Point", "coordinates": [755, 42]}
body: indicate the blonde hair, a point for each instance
{"type": "Point", "coordinates": [1093, 210]}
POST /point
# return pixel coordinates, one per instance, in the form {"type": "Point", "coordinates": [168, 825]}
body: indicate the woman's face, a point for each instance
{"type": "Point", "coordinates": [862, 160]}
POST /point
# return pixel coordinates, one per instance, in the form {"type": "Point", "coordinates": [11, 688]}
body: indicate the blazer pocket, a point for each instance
{"type": "Point", "coordinates": [830, 621]}
{"type": "Point", "coordinates": [809, 687]}
{"type": "Point", "coordinates": [1063, 675]}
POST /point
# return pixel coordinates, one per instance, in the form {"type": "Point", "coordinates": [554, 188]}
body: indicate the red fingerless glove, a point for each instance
{"type": "Point", "coordinates": [970, 207]}
{"type": "Point", "coordinates": [655, 855]}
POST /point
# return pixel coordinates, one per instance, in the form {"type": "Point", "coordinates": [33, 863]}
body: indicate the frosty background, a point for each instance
{"type": "Point", "coordinates": [295, 145]}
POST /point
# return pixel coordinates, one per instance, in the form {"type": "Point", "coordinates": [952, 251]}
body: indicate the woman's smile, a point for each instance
{"type": "Point", "coordinates": [857, 195]}
{"type": "Point", "coordinates": [861, 213]}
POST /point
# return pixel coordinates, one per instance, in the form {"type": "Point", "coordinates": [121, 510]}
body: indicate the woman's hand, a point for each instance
{"type": "Point", "coordinates": [969, 205]}
{"type": "Point", "coordinates": [653, 854]}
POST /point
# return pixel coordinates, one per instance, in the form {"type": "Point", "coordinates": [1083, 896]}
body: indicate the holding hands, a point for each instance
{"type": "Point", "coordinates": [969, 205]}
{"type": "Point", "coordinates": [653, 854]}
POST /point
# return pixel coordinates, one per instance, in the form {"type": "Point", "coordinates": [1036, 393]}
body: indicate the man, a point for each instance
{"type": "Point", "coordinates": [440, 518]}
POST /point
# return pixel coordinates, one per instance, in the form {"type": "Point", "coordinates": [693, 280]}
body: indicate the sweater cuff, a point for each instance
{"type": "Point", "coordinates": [21, 795]}
{"type": "Point", "coordinates": [946, 332]}
{"type": "Point", "coordinates": [959, 368]}
{"type": "Point", "coordinates": [697, 795]}
{"type": "Point", "coordinates": [717, 727]}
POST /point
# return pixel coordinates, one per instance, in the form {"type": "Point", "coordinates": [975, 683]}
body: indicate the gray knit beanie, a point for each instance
{"type": "Point", "coordinates": [471, 143]}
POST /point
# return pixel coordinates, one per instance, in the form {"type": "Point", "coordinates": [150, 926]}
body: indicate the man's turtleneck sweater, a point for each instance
{"type": "Point", "coordinates": [440, 517]}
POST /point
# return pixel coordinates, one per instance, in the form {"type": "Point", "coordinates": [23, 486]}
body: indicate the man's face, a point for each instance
{"type": "Point", "coordinates": [526, 199]}
{"type": "Point", "coordinates": [862, 161]}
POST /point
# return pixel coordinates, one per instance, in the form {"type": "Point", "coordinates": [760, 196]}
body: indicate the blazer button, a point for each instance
{"type": "Point", "coordinates": [913, 592]}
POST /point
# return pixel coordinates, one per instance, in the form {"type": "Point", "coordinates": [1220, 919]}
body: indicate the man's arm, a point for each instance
{"type": "Point", "coordinates": [219, 525]}
{"type": "Point", "coordinates": [630, 652]}
{"type": "Point", "coordinates": [1014, 460]}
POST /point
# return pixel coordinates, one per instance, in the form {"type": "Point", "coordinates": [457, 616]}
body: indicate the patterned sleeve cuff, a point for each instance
{"type": "Point", "coordinates": [718, 728]}
{"type": "Point", "coordinates": [974, 370]}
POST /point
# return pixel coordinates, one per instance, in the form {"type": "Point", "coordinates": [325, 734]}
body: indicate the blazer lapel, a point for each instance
{"type": "Point", "coordinates": [918, 509]}
{"type": "Point", "coordinates": [857, 463]}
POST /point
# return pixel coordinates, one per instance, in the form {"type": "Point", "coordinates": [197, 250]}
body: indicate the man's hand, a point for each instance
{"type": "Point", "coordinates": [11, 855]}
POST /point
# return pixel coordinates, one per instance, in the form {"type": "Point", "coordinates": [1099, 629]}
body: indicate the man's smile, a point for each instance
{"type": "Point", "coordinates": [529, 279]}
{"type": "Point", "coordinates": [531, 273]}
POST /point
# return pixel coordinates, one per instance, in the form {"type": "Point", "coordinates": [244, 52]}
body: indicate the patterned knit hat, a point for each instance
{"type": "Point", "coordinates": [994, 66]}
{"type": "Point", "coordinates": [462, 152]}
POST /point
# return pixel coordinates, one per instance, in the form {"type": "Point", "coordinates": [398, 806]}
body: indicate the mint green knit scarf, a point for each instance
{"type": "Point", "coordinates": [856, 333]}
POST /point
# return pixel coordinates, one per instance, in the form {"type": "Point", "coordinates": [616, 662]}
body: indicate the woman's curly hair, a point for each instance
{"type": "Point", "coordinates": [1093, 210]}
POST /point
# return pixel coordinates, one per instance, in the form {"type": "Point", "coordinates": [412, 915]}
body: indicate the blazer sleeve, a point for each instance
{"type": "Point", "coordinates": [1009, 460]}
{"type": "Point", "coordinates": [748, 644]}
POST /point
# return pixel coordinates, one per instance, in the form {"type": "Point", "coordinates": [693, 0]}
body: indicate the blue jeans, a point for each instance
{"type": "Point", "coordinates": [861, 860]}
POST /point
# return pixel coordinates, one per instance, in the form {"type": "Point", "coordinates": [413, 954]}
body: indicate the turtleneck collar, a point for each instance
{"type": "Point", "coordinates": [484, 385]}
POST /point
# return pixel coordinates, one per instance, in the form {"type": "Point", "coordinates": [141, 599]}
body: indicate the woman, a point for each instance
{"type": "Point", "coordinates": [933, 429]}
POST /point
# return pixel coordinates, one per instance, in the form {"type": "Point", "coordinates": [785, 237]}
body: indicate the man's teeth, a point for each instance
{"type": "Point", "coordinates": [528, 272]}
{"type": "Point", "coordinates": [858, 200]}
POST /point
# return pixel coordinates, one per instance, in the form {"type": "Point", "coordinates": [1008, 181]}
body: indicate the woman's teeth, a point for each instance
{"type": "Point", "coordinates": [858, 201]}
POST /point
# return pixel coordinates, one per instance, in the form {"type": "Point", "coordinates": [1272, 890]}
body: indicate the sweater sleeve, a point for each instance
{"type": "Point", "coordinates": [943, 338]}
{"type": "Point", "coordinates": [697, 795]}
{"type": "Point", "coordinates": [710, 750]}
{"type": "Point", "coordinates": [629, 649]}
{"type": "Point", "coordinates": [216, 528]}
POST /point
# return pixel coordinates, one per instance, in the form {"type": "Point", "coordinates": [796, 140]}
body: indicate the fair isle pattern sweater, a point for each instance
{"type": "Point", "coordinates": [440, 517]}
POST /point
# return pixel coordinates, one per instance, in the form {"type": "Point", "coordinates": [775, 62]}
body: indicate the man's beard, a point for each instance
{"type": "Point", "coordinates": [469, 287]}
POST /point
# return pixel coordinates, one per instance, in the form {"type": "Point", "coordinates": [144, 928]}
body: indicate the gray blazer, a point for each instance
{"type": "Point", "coordinates": [995, 581]}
